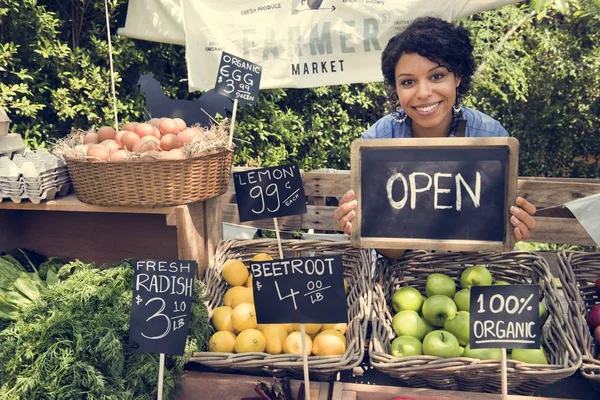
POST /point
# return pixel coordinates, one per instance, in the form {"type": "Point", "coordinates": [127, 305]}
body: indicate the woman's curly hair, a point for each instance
{"type": "Point", "coordinates": [439, 41]}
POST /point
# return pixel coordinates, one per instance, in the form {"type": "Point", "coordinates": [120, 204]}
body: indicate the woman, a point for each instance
{"type": "Point", "coordinates": [427, 69]}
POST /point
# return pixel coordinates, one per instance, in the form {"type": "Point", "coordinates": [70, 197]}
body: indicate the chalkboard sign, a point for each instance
{"type": "Point", "coordinates": [434, 194]}
{"type": "Point", "coordinates": [299, 290]}
{"type": "Point", "coordinates": [238, 79]}
{"type": "Point", "coordinates": [269, 192]}
{"type": "Point", "coordinates": [504, 316]}
{"type": "Point", "coordinates": [162, 304]}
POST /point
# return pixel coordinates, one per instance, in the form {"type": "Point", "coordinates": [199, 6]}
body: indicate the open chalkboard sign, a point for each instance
{"type": "Point", "coordinates": [435, 193]}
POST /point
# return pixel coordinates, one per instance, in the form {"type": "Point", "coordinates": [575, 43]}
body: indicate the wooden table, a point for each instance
{"type": "Point", "coordinates": [216, 386]}
{"type": "Point", "coordinates": [354, 391]}
{"type": "Point", "coordinates": [69, 229]}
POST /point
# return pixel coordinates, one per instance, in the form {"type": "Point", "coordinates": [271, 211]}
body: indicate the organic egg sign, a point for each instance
{"type": "Point", "coordinates": [238, 79]}
{"type": "Point", "coordinates": [434, 194]}
{"type": "Point", "coordinates": [269, 192]}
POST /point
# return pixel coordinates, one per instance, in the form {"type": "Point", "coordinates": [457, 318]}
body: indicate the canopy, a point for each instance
{"type": "Point", "coordinates": [299, 43]}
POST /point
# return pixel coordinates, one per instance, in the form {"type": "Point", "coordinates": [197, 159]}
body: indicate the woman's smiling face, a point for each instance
{"type": "Point", "coordinates": [427, 92]}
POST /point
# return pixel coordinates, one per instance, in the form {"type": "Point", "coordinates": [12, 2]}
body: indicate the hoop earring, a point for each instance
{"type": "Point", "coordinates": [399, 115]}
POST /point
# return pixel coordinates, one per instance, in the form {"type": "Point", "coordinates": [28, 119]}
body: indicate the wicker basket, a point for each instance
{"type": "Point", "coordinates": [151, 182]}
{"type": "Point", "coordinates": [578, 272]}
{"type": "Point", "coordinates": [357, 266]}
{"type": "Point", "coordinates": [465, 373]}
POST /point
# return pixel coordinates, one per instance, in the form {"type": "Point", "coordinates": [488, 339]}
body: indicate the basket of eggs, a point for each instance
{"type": "Point", "coordinates": [161, 162]}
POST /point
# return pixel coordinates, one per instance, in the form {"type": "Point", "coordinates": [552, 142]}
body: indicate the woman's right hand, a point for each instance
{"type": "Point", "coordinates": [345, 213]}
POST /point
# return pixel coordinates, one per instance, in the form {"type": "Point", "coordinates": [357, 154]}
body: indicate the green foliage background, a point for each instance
{"type": "Point", "coordinates": [538, 75]}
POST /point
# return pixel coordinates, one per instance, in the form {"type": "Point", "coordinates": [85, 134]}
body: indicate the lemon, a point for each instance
{"type": "Point", "coordinates": [275, 334]}
{"type": "Point", "coordinates": [243, 295]}
{"type": "Point", "coordinates": [250, 341]}
{"type": "Point", "coordinates": [308, 328]}
{"type": "Point", "coordinates": [293, 343]}
{"type": "Point", "coordinates": [249, 281]}
{"type": "Point", "coordinates": [230, 294]}
{"type": "Point", "coordinates": [222, 342]}
{"type": "Point", "coordinates": [244, 317]}
{"type": "Point", "coordinates": [221, 318]}
{"type": "Point", "coordinates": [346, 287]}
{"type": "Point", "coordinates": [341, 328]}
{"type": "Point", "coordinates": [235, 272]}
{"type": "Point", "coordinates": [289, 328]}
{"type": "Point", "coordinates": [261, 257]}
{"type": "Point", "coordinates": [329, 343]}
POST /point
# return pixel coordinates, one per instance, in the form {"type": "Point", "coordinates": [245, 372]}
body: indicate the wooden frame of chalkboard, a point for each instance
{"type": "Point", "coordinates": [481, 223]}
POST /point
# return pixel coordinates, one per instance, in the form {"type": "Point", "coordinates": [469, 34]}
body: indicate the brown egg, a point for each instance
{"type": "Point", "coordinates": [98, 152]}
{"type": "Point", "coordinates": [147, 143]}
{"type": "Point", "coordinates": [118, 137]}
{"type": "Point", "coordinates": [129, 139]}
{"type": "Point", "coordinates": [106, 133]}
{"type": "Point", "coordinates": [168, 125]}
{"type": "Point", "coordinates": [181, 125]}
{"type": "Point", "coordinates": [154, 121]}
{"type": "Point", "coordinates": [119, 155]}
{"type": "Point", "coordinates": [209, 135]}
{"type": "Point", "coordinates": [90, 138]}
{"type": "Point", "coordinates": [145, 129]}
{"type": "Point", "coordinates": [169, 142]}
{"type": "Point", "coordinates": [174, 154]}
{"type": "Point", "coordinates": [130, 126]}
{"type": "Point", "coordinates": [187, 135]}
{"type": "Point", "coordinates": [111, 144]}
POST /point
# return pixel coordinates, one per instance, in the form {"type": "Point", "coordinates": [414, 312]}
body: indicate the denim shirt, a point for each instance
{"type": "Point", "coordinates": [478, 124]}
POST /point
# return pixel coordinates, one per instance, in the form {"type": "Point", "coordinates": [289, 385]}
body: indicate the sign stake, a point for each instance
{"type": "Point", "coordinates": [504, 377]}
{"type": "Point", "coordinates": [305, 363]}
{"type": "Point", "coordinates": [161, 375]}
{"type": "Point", "coordinates": [235, 103]}
{"type": "Point", "coordinates": [278, 238]}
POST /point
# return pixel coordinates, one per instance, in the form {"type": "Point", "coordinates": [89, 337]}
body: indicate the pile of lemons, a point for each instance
{"type": "Point", "coordinates": [237, 329]}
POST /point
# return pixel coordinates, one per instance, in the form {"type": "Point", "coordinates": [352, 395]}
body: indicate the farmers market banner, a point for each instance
{"type": "Point", "coordinates": [299, 43]}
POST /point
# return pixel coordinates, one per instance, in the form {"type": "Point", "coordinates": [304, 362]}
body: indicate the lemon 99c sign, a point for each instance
{"type": "Point", "coordinates": [238, 79]}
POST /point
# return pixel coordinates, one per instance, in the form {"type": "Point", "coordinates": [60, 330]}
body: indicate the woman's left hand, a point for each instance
{"type": "Point", "coordinates": [522, 219]}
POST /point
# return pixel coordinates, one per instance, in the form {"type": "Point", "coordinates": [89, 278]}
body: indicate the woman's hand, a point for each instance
{"type": "Point", "coordinates": [345, 213]}
{"type": "Point", "coordinates": [522, 219]}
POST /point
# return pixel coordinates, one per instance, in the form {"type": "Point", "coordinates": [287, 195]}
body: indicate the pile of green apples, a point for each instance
{"type": "Point", "coordinates": [438, 324]}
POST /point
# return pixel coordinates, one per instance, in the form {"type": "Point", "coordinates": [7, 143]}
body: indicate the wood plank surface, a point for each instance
{"type": "Point", "coordinates": [353, 391]}
{"type": "Point", "coordinates": [89, 237]}
{"type": "Point", "coordinates": [70, 203]}
{"type": "Point", "coordinates": [217, 386]}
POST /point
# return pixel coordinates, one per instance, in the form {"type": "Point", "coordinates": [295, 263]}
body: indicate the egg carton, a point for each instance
{"type": "Point", "coordinates": [12, 142]}
{"type": "Point", "coordinates": [22, 184]}
{"type": "Point", "coordinates": [37, 198]}
{"type": "Point", "coordinates": [31, 165]}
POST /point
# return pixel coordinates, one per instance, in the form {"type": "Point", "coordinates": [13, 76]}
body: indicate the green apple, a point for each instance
{"type": "Point", "coordinates": [459, 327]}
{"type": "Point", "coordinates": [543, 314]}
{"type": "Point", "coordinates": [405, 346]}
{"type": "Point", "coordinates": [440, 284]}
{"type": "Point", "coordinates": [437, 308]}
{"type": "Point", "coordinates": [500, 283]}
{"type": "Point", "coordinates": [407, 298]}
{"type": "Point", "coordinates": [530, 356]}
{"type": "Point", "coordinates": [441, 344]}
{"type": "Point", "coordinates": [462, 298]}
{"type": "Point", "coordinates": [477, 275]}
{"type": "Point", "coordinates": [483, 354]}
{"type": "Point", "coordinates": [461, 351]}
{"type": "Point", "coordinates": [409, 323]}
